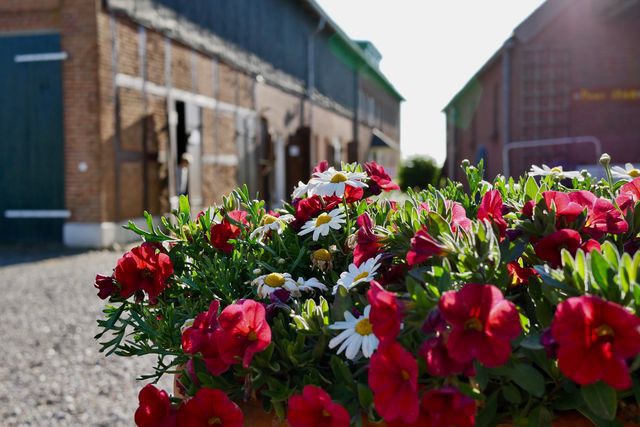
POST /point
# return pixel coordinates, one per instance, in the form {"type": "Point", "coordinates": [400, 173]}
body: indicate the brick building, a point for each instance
{"type": "Point", "coordinates": [102, 100]}
{"type": "Point", "coordinates": [562, 89]}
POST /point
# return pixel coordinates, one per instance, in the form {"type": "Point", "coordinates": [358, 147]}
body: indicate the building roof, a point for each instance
{"type": "Point", "coordinates": [361, 59]}
{"type": "Point", "coordinates": [527, 30]}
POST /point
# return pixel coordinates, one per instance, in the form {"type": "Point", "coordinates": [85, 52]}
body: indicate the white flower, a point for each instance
{"type": "Point", "coordinates": [357, 334]}
{"type": "Point", "coordinates": [299, 191]}
{"type": "Point", "coordinates": [323, 224]}
{"type": "Point", "coordinates": [628, 172]}
{"type": "Point", "coordinates": [269, 283]}
{"type": "Point", "coordinates": [365, 273]}
{"type": "Point", "coordinates": [555, 171]}
{"type": "Point", "coordinates": [272, 223]}
{"type": "Point", "coordinates": [332, 182]}
{"type": "Point", "coordinates": [310, 284]}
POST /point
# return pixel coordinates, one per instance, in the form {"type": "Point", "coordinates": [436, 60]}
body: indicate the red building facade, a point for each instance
{"type": "Point", "coordinates": [564, 88]}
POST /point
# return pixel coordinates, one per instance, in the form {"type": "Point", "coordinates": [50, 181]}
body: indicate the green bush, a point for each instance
{"type": "Point", "coordinates": [418, 172]}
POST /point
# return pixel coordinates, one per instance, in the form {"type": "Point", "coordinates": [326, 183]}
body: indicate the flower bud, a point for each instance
{"type": "Point", "coordinates": [322, 259]}
{"type": "Point", "coordinates": [257, 271]}
{"type": "Point", "coordinates": [465, 163]}
{"type": "Point", "coordinates": [281, 261]}
{"type": "Point", "coordinates": [605, 160]}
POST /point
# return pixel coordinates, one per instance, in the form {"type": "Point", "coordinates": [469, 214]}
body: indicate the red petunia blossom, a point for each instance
{"type": "Point", "coordinates": [527, 208]}
{"type": "Point", "coordinates": [146, 267]}
{"type": "Point", "coordinates": [307, 209]}
{"type": "Point", "coordinates": [423, 247]}
{"type": "Point", "coordinates": [379, 179]}
{"type": "Point", "coordinates": [483, 324]}
{"type": "Point", "coordinates": [602, 216]}
{"type": "Point", "coordinates": [367, 244]}
{"type": "Point", "coordinates": [154, 408]}
{"type": "Point", "coordinates": [203, 336]}
{"type": "Point", "coordinates": [393, 378]}
{"type": "Point", "coordinates": [566, 209]}
{"type": "Point", "coordinates": [385, 315]}
{"type": "Point", "coordinates": [223, 232]}
{"type": "Point", "coordinates": [440, 363]}
{"type": "Point", "coordinates": [520, 275]}
{"type": "Point", "coordinates": [210, 407]}
{"type": "Point", "coordinates": [245, 332]}
{"type": "Point", "coordinates": [590, 245]}
{"type": "Point", "coordinates": [446, 407]}
{"type": "Point", "coordinates": [459, 218]}
{"type": "Point", "coordinates": [548, 248]}
{"type": "Point", "coordinates": [629, 195]}
{"type": "Point", "coordinates": [322, 166]}
{"type": "Point", "coordinates": [105, 285]}
{"type": "Point", "coordinates": [314, 408]}
{"type": "Point", "coordinates": [595, 339]}
{"type": "Point", "coordinates": [490, 209]}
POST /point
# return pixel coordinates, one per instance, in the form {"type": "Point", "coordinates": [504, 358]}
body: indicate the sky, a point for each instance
{"type": "Point", "coordinates": [430, 49]}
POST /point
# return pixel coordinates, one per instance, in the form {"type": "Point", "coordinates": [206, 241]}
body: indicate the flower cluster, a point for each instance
{"type": "Point", "coordinates": [512, 300]}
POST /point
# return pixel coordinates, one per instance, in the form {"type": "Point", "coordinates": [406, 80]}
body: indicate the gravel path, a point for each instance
{"type": "Point", "coordinates": [51, 373]}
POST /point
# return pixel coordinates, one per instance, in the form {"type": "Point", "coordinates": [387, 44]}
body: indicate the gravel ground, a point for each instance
{"type": "Point", "coordinates": [51, 373]}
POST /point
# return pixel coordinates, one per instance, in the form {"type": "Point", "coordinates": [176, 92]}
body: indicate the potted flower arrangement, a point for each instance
{"type": "Point", "coordinates": [509, 302]}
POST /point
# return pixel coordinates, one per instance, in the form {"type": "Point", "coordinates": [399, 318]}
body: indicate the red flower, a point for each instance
{"type": "Point", "coordinates": [203, 338]}
{"type": "Point", "coordinates": [602, 216]}
{"type": "Point", "coordinates": [439, 361]}
{"type": "Point", "coordinates": [590, 245]}
{"type": "Point", "coordinates": [367, 244]}
{"type": "Point", "coordinates": [314, 408]}
{"type": "Point", "coordinates": [386, 313]}
{"type": "Point", "coordinates": [565, 208]}
{"type": "Point", "coordinates": [458, 216]}
{"type": "Point", "coordinates": [322, 166]}
{"type": "Point", "coordinates": [483, 324]}
{"type": "Point", "coordinates": [595, 339]}
{"type": "Point", "coordinates": [490, 209]}
{"type": "Point", "coordinates": [105, 286]}
{"type": "Point", "coordinates": [245, 332]}
{"type": "Point", "coordinates": [379, 179]}
{"type": "Point", "coordinates": [154, 409]}
{"type": "Point", "coordinates": [629, 195]}
{"type": "Point", "coordinates": [423, 247]}
{"type": "Point", "coordinates": [225, 231]}
{"type": "Point", "coordinates": [306, 209]}
{"type": "Point", "coordinates": [520, 275]}
{"type": "Point", "coordinates": [548, 248]}
{"type": "Point", "coordinates": [393, 378]}
{"type": "Point", "coordinates": [527, 208]}
{"type": "Point", "coordinates": [210, 407]}
{"type": "Point", "coordinates": [444, 408]}
{"type": "Point", "coordinates": [145, 267]}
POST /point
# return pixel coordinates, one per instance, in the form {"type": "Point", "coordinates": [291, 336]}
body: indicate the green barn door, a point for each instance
{"type": "Point", "coordinates": [31, 139]}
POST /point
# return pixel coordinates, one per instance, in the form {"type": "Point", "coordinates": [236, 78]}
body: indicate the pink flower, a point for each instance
{"type": "Point", "coordinates": [379, 179]}
{"type": "Point", "coordinates": [314, 408]}
{"type": "Point", "coordinates": [203, 338]}
{"type": "Point", "coordinates": [483, 324]}
{"type": "Point", "coordinates": [458, 216]}
{"type": "Point", "coordinates": [368, 244]}
{"type": "Point", "coordinates": [490, 209]}
{"type": "Point", "coordinates": [602, 216]}
{"type": "Point", "coordinates": [385, 315]}
{"type": "Point", "coordinates": [629, 195]}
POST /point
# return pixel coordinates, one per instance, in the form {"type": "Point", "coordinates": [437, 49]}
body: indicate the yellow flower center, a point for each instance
{"type": "Point", "coordinates": [268, 219]}
{"type": "Point", "coordinates": [362, 275]}
{"type": "Point", "coordinates": [474, 324]}
{"type": "Point", "coordinates": [322, 255]}
{"type": "Point", "coordinates": [405, 375]}
{"type": "Point", "coordinates": [323, 219]}
{"type": "Point", "coordinates": [604, 331]}
{"type": "Point", "coordinates": [556, 169]}
{"type": "Point", "coordinates": [634, 173]}
{"type": "Point", "coordinates": [325, 413]}
{"type": "Point", "coordinates": [214, 421]}
{"type": "Point", "coordinates": [252, 336]}
{"type": "Point", "coordinates": [363, 327]}
{"type": "Point", "coordinates": [275, 280]}
{"type": "Point", "coordinates": [338, 177]}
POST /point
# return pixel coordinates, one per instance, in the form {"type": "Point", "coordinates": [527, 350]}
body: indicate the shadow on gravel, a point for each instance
{"type": "Point", "coordinates": [22, 253]}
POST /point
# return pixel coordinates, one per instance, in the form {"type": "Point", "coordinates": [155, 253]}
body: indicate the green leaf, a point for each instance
{"type": "Point", "coordinates": [529, 378]}
{"type": "Point", "coordinates": [530, 189]}
{"type": "Point", "coordinates": [601, 399]}
{"type": "Point", "coordinates": [540, 417]}
{"type": "Point", "coordinates": [183, 205]}
{"type": "Point", "coordinates": [365, 395]}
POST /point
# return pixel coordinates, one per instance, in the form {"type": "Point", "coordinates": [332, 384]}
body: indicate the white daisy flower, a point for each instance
{"type": "Point", "coordinates": [310, 284]}
{"type": "Point", "coordinates": [272, 223]}
{"type": "Point", "coordinates": [321, 225]}
{"type": "Point", "coordinates": [356, 275]}
{"type": "Point", "coordinates": [357, 335]}
{"type": "Point", "coordinates": [556, 171]}
{"type": "Point", "coordinates": [332, 182]}
{"type": "Point", "coordinates": [628, 172]}
{"type": "Point", "coordinates": [269, 283]}
{"type": "Point", "coordinates": [299, 191]}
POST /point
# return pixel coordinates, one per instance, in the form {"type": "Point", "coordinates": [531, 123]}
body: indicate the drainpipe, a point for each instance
{"type": "Point", "coordinates": [311, 82]}
{"type": "Point", "coordinates": [506, 100]}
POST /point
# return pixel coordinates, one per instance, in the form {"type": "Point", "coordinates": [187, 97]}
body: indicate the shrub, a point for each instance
{"type": "Point", "coordinates": [418, 173]}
